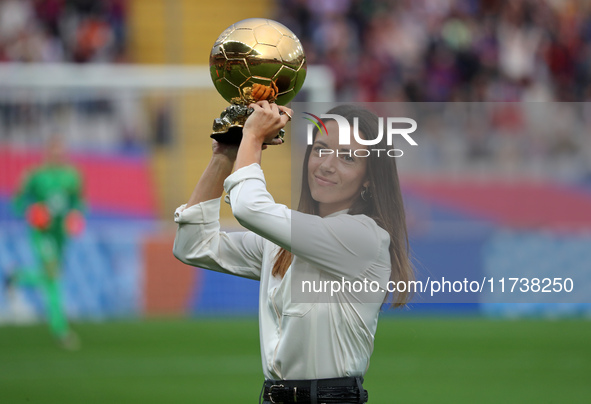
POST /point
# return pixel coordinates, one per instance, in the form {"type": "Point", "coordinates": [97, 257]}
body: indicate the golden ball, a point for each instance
{"type": "Point", "coordinates": [257, 59]}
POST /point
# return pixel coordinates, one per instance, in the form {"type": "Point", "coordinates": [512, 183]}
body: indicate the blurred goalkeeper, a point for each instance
{"type": "Point", "coordinates": [50, 199]}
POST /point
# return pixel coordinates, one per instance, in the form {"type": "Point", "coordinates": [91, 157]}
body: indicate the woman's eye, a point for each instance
{"type": "Point", "coordinates": [347, 157]}
{"type": "Point", "coordinates": [317, 150]}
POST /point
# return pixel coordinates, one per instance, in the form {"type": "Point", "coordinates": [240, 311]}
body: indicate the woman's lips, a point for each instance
{"type": "Point", "coordinates": [323, 181]}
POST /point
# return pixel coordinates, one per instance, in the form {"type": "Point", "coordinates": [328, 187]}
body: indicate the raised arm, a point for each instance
{"type": "Point", "coordinates": [260, 128]}
{"type": "Point", "coordinates": [199, 241]}
{"type": "Point", "coordinates": [210, 185]}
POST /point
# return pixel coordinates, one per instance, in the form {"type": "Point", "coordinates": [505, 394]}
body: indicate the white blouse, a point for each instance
{"type": "Point", "coordinates": [307, 338]}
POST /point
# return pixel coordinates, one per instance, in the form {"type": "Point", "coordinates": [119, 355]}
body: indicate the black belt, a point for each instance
{"type": "Point", "coordinates": [338, 390]}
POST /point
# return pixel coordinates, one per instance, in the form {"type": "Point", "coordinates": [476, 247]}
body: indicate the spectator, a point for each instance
{"type": "Point", "coordinates": [453, 50]}
{"type": "Point", "coordinates": [81, 31]}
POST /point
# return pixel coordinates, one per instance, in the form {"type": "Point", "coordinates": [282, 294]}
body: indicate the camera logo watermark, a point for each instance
{"type": "Point", "coordinates": [385, 126]}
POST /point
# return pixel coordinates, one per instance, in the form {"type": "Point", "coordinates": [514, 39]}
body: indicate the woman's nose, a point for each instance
{"type": "Point", "coordinates": [327, 164]}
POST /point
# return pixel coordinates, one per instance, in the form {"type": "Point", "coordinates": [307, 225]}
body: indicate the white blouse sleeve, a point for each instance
{"type": "Point", "coordinates": [342, 245]}
{"type": "Point", "coordinates": [199, 242]}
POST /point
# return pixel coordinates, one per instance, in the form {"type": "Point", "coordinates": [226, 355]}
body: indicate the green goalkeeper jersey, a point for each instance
{"type": "Point", "coordinates": [58, 187]}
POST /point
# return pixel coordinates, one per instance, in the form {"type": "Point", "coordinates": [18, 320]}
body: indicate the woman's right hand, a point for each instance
{"type": "Point", "coordinates": [266, 121]}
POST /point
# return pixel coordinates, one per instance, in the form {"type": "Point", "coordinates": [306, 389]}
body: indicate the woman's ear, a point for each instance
{"type": "Point", "coordinates": [366, 184]}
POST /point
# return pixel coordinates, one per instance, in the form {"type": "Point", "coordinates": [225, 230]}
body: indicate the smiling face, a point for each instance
{"type": "Point", "coordinates": [335, 181]}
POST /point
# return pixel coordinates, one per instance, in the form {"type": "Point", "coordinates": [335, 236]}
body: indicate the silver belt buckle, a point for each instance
{"type": "Point", "coordinates": [279, 386]}
{"type": "Point", "coordinates": [271, 391]}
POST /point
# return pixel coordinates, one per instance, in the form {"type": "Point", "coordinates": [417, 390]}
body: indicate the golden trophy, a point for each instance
{"type": "Point", "coordinates": [252, 60]}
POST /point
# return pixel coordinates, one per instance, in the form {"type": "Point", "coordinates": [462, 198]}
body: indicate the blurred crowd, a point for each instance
{"type": "Point", "coordinates": [78, 31]}
{"type": "Point", "coordinates": [448, 50]}
{"type": "Point", "coordinates": [378, 50]}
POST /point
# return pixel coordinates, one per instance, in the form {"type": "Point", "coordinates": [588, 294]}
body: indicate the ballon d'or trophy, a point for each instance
{"type": "Point", "coordinates": [253, 60]}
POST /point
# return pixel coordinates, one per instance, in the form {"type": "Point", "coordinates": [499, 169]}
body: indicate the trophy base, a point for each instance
{"type": "Point", "coordinates": [227, 128]}
{"type": "Point", "coordinates": [232, 136]}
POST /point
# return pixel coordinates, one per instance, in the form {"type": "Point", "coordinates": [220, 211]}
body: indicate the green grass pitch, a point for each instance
{"type": "Point", "coordinates": [416, 360]}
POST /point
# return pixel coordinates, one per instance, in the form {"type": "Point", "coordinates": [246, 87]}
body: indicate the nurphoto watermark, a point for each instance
{"type": "Point", "coordinates": [386, 126]}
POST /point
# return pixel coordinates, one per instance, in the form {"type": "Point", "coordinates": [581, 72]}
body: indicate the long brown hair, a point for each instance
{"type": "Point", "coordinates": [385, 205]}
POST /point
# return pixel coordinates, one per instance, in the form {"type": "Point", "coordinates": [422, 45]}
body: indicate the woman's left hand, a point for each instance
{"type": "Point", "coordinates": [266, 121]}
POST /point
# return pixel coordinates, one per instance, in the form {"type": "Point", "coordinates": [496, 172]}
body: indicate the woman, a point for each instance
{"type": "Point", "coordinates": [350, 226]}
